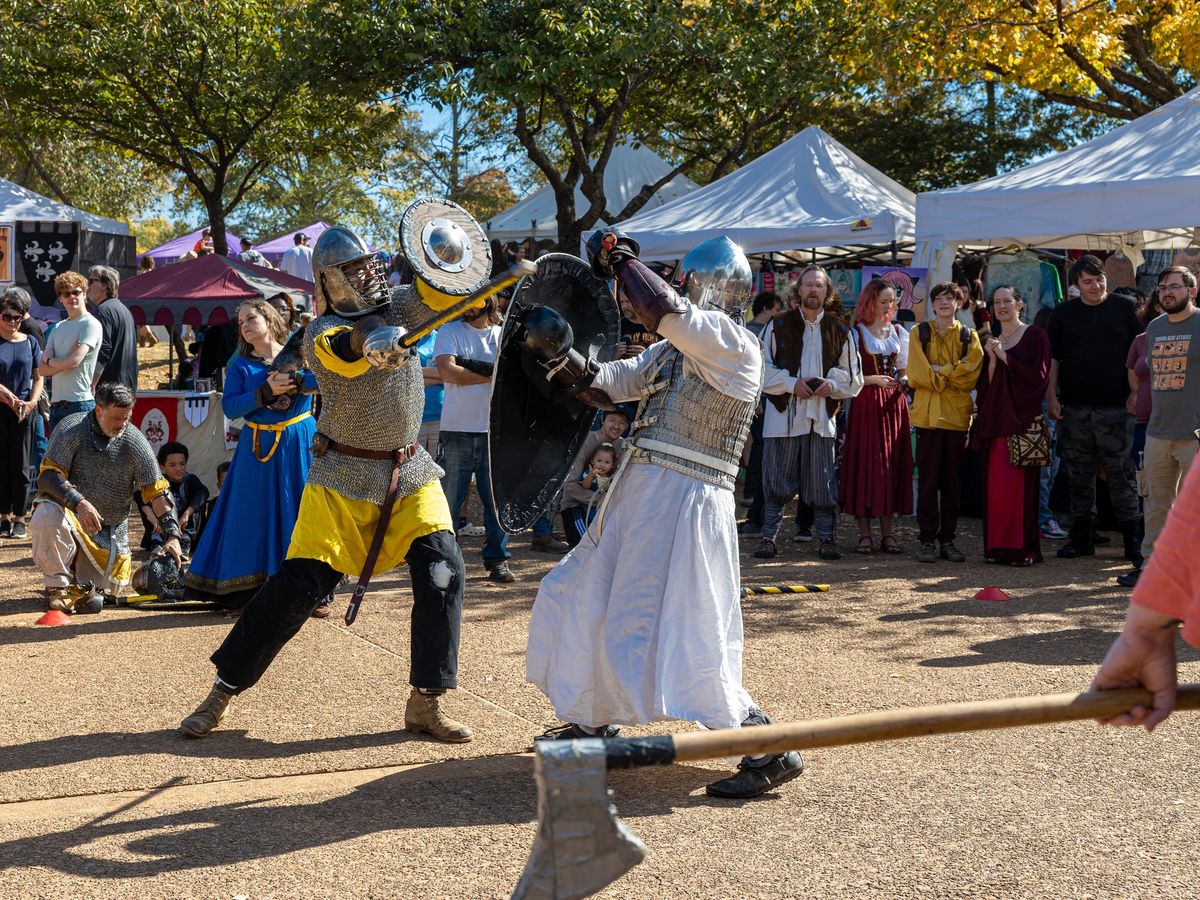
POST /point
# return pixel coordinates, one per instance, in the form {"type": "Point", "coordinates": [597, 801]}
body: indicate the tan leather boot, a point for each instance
{"type": "Point", "coordinates": [208, 715]}
{"type": "Point", "coordinates": [62, 599]}
{"type": "Point", "coordinates": [423, 715]}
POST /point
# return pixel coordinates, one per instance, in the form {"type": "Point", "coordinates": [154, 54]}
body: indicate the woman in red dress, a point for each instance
{"type": "Point", "coordinates": [1009, 394]}
{"type": "Point", "coordinates": [876, 472]}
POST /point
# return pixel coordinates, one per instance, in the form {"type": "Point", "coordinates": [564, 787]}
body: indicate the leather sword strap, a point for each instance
{"type": "Point", "coordinates": [398, 458]}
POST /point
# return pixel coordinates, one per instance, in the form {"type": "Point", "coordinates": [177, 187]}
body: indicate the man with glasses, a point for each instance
{"type": "Point", "coordinates": [117, 361]}
{"type": "Point", "coordinates": [71, 351]}
{"type": "Point", "coordinates": [1173, 354]}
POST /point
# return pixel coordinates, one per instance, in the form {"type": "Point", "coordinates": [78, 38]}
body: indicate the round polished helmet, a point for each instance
{"type": "Point", "coordinates": [349, 279]}
{"type": "Point", "coordinates": [716, 275]}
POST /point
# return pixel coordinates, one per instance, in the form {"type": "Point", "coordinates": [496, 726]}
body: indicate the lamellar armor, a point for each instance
{"type": "Point", "coordinates": [377, 409]}
{"type": "Point", "coordinates": [687, 425]}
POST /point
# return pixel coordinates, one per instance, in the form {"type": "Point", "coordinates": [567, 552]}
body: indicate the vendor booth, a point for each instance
{"type": "Point", "coordinates": [809, 193]}
{"type": "Point", "coordinates": [41, 238]}
{"type": "Point", "coordinates": [174, 251]}
{"type": "Point", "coordinates": [195, 419]}
{"type": "Point", "coordinates": [205, 291]}
{"type": "Point", "coordinates": [274, 249]}
{"type": "Point", "coordinates": [630, 168]}
{"type": "Point", "coordinates": [1131, 190]}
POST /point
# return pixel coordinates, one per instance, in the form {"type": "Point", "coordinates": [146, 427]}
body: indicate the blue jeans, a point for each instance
{"type": "Point", "coordinates": [465, 453]}
{"type": "Point", "coordinates": [59, 411]}
{"type": "Point", "coordinates": [542, 527]}
{"type": "Point", "coordinates": [1049, 473]}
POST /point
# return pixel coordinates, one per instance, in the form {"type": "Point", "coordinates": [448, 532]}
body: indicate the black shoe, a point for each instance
{"type": "Point", "coordinates": [1072, 550]}
{"type": "Point", "coordinates": [952, 553]}
{"type": "Point", "coordinates": [500, 572]}
{"type": "Point", "coordinates": [755, 780]}
{"type": "Point", "coordinates": [928, 553]}
{"type": "Point", "coordinates": [829, 550]}
{"type": "Point", "coordinates": [1130, 578]}
{"type": "Point", "coordinates": [5, 528]}
{"type": "Point", "coordinates": [749, 529]}
{"type": "Point", "coordinates": [766, 550]}
{"type": "Point", "coordinates": [18, 530]}
{"type": "Point", "coordinates": [573, 732]}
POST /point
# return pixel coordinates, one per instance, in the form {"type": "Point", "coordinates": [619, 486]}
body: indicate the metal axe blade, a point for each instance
{"type": "Point", "coordinates": [582, 846]}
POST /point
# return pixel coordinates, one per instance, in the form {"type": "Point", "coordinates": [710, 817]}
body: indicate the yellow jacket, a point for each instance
{"type": "Point", "coordinates": [943, 399]}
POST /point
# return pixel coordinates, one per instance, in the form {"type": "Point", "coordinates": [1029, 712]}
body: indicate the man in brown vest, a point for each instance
{"type": "Point", "coordinates": [811, 366]}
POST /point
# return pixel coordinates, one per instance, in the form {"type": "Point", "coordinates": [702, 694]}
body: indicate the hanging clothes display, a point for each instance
{"type": "Point", "coordinates": [1038, 283]}
{"type": "Point", "coordinates": [847, 284]}
{"type": "Point", "coordinates": [1119, 271]}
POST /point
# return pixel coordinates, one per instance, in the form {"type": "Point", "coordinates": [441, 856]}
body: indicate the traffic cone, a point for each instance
{"type": "Point", "coordinates": [54, 617]}
{"type": "Point", "coordinates": [991, 592]}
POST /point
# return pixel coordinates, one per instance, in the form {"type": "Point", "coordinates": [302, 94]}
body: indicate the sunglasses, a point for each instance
{"type": "Point", "coordinates": [14, 319]}
{"type": "Point", "coordinates": [72, 293]}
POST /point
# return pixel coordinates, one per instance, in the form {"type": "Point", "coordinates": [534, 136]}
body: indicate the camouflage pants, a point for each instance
{"type": "Point", "coordinates": [1098, 437]}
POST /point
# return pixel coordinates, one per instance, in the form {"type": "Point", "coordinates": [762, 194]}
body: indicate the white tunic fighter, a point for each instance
{"type": "Point", "coordinates": [641, 622]}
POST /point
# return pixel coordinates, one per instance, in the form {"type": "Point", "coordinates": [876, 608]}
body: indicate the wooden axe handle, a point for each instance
{"type": "Point", "coordinates": [919, 721]}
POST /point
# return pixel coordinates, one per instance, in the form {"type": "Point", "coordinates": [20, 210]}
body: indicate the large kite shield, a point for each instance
{"type": "Point", "coordinates": [536, 429]}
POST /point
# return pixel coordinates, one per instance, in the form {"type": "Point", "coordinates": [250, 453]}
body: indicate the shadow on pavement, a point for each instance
{"type": "Point", "coordinates": [111, 621]}
{"type": "Point", "coordinates": [454, 794]}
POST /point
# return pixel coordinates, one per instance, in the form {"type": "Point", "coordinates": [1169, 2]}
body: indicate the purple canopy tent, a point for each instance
{"type": "Point", "coordinates": [173, 251]}
{"type": "Point", "coordinates": [274, 249]}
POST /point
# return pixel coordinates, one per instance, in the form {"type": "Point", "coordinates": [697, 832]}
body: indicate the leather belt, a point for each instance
{"type": "Point", "coordinates": [406, 453]}
{"type": "Point", "coordinates": [398, 458]}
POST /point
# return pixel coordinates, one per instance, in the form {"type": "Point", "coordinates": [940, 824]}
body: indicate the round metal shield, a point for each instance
{"type": "Point", "coordinates": [535, 432]}
{"type": "Point", "coordinates": [445, 246]}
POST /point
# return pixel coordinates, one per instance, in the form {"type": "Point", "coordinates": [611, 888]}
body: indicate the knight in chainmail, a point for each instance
{"type": "Point", "coordinates": [372, 499]}
{"type": "Point", "coordinates": [642, 621]}
{"type": "Point", "coordinates": [95, 465]}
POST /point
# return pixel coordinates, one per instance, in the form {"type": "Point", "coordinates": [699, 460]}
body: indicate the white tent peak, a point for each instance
{"type": "Point", "coordinates": [630, 167]}
{"type": "Point", "coordinates": [1135, 187]}
{"type": "Point", "coordinates": [810, 191]}
{"type": "Point", "coordinates": [20, 203]}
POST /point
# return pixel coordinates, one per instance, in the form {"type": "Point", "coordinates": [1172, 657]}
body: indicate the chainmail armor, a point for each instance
{"type": "Point", "coordinates": [377, 410]}
{"type": "Point", "coordinates": [688, 412]}
{"type": "Point", "coordinates": [109, 472]}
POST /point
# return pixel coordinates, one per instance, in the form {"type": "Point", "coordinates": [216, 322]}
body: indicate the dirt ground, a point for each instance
{"type": "Point", "coordinates": [311, 788]}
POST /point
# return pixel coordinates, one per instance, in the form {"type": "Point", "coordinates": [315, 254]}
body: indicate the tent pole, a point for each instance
{"type": "Point", "coordinates": [170, 357]}
{"type": "Point", "coordinates": [894, 258]}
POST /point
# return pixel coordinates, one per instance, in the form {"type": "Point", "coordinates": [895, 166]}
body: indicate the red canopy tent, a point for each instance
{"type": "Point", "coordinates": [205, 291]}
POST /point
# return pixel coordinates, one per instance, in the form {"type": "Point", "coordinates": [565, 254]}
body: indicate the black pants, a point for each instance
{"type": "Point", "coordinates": [753, 489]}
{"type": "Point", "coordinates": [14, 461]}
{"type": "Point", "coordinates": [941, 455]}
{"type": "Point", "coordinates": [288, 598]}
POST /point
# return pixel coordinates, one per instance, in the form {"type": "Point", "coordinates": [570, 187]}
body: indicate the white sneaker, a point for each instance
{"type": "Point", "coordinates": [472, 531]}
{"type": "Point", "coordinates": [1053, 531]}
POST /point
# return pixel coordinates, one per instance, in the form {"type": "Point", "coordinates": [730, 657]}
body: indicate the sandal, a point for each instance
{"type": "Point", "coordinates": [889, 544]}
{"type": "Point", "coordinates": [864, 545]}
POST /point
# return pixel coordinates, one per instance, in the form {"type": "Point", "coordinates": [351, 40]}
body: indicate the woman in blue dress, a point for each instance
{"type": "Point", "coordinates": [247, 537]}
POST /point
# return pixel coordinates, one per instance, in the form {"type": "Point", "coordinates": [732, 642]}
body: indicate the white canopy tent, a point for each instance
{"type": "Point", "coordinates": [809, 192]}
{"type": "Point", "coordinates": [20, 203]}
{"type": "Point", "coordinates": [1134, 188]}
{"type": "Point", "coordinates": [630, 167]}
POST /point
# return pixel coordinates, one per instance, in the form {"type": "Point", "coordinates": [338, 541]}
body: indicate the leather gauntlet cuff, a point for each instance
{"type": "Point", "coordinates": [170, 525]}
{"type": "Point", "coordinates": [650, 296]}
{"type": "Point", "coordinates": [56, 487]}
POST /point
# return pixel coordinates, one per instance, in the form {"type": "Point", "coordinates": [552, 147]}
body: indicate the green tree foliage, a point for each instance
{"type": "Point", "coordinates": [49, 160]}
{"type": "Point", "coordinates": [1118, 58]}
{"type": "Point", "coordinates": [214, 91]}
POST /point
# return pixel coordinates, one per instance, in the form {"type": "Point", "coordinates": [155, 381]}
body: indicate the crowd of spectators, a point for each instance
{"type": "Point", "coordinates": [860, 415]}
{"type": "Point", "coordinates": [1099, 383]}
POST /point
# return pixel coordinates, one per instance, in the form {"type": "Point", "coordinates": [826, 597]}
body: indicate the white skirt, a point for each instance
{"type": "Point", "coordinates": [646, 624]}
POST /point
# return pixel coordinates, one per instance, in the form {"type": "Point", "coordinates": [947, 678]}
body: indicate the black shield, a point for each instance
{"type": "Point", "coordinates": [533, 432]}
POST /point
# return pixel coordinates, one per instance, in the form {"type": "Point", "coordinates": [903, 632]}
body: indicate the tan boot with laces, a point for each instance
{"type": "Point", "coordinates": [423, 715]}
{"type": "Point", "coordinates": [208, 715]}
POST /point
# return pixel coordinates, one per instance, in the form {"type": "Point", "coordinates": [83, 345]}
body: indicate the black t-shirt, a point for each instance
{"type": "Point", "coordinates": [1091, 344]}
{"type": "Point", "coordinates": [117, 360]}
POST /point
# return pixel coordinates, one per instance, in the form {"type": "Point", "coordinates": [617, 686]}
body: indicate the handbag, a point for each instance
{"type": "Point", "coordinates": [1030, 447]}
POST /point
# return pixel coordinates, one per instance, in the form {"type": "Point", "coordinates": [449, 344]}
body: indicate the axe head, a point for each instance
{"type": "Point", "coordinates": [581, 845]}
